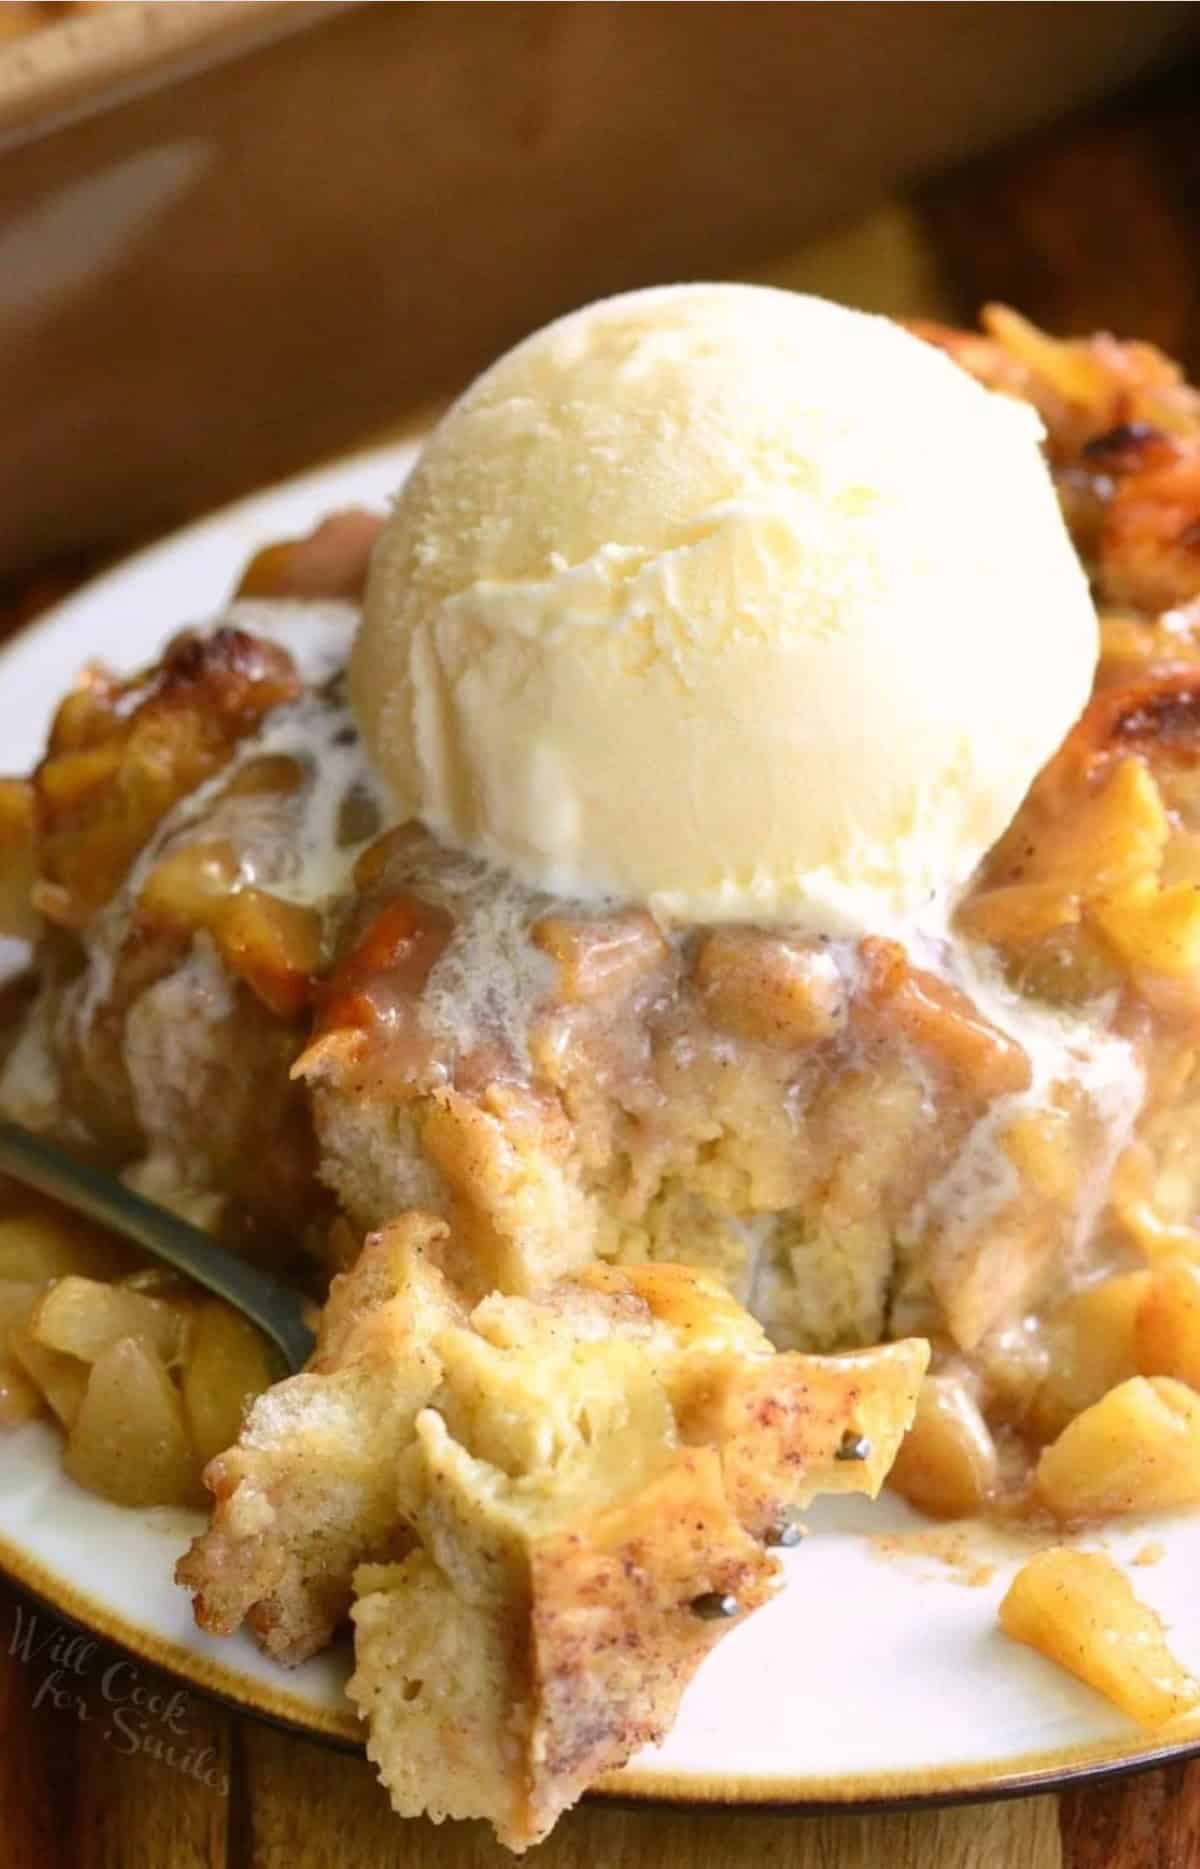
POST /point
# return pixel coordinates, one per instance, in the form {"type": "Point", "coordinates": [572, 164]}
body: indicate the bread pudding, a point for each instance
{"type": "Point", "coordinates": [634, 1223]}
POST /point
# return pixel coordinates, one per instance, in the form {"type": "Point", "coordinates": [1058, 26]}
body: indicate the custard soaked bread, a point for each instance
{"type": "Point", "coordinates": [548, 1510]}
{"type": "Point", "coordinates": [748, 1100]}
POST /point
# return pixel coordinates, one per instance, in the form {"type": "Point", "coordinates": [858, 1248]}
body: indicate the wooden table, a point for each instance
{"type": "Point", "coordinates": [1097, 223]}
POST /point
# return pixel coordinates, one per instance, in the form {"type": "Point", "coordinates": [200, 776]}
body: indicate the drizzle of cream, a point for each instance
{"type": "Point", "coordinates": [287, 844]}
{"type": "Point", "coordinates": [1063, 1047]}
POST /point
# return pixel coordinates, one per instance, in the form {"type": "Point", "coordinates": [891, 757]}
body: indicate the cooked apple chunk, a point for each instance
{"type": "Point", "coordinates": [1078, 1609]}
{"type": "Point", "coordinates": [81, 1317]}
{"type": "Point", "coordinates": [20, 1399]}
{"type": "Point", "coordinates": [946, 1464]}
{"type": "Point", "coordinates": [42, 1243]}
{"type": "Point", "coordinates": [1168, 1322]}
{"type": "Point", "coordinates": [1092, 1340]}
{"type": "Point", "coordinates": [1136, 1450]}
{"type": "Point", "coordinates": [229, 1364]}
{"type": "Point", "coordinates": [60, 1380]}
{"type": "Point", "coordinates": [128, 1440]}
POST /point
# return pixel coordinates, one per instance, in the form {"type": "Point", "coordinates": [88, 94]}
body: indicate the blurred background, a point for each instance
{"type": "Point", "coordinates": [238, 238]}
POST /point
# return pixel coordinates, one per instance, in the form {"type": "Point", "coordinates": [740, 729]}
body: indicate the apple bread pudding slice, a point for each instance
{"type": "Point", "coordinates": [542, 1112]}
{"type": "Point", "coordinates": [549, 1510]}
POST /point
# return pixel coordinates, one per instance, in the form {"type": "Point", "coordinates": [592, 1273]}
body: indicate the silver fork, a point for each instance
{"type": "Point", "coordinates": [43, 1165]}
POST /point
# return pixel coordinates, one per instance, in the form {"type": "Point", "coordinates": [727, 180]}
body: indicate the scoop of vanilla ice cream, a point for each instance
{"type": "Point", "coordinates": [731, 601]}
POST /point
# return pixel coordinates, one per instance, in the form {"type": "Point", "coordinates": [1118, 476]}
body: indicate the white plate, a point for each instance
{"type": "Point", "coordinates": [870, 1677]}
